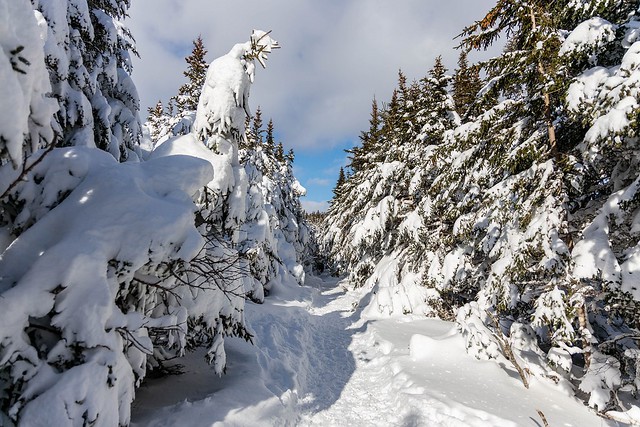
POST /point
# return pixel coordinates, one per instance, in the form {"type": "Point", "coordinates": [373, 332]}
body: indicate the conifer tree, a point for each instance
{"type": "Point", "coordinates": [466, 86]}
{"type": "Point", "coordinates": [339, 183]}
{"type": "Point", "coordinates": [392, 119]}
{"type": "Point", "coordinates": [88, 56]}
{"type": "Point", "coordinates": [279, 153]}
{"type": "Point", "coordinates": [270, 138]}
{"type": "Point", "coordinates": [256, 127]}
{"type": "Point", "coordinates": [196, 72]}
{"type": "Point", "coordinates": [157, 121]}
{"type": "Point", "coordinates": [505, 223]}
{"type": "Point", "coordinates": [436, 106]}
{"type": "Point", "coordinates": [290, 156]}
{"type": "Point", "coordinates": [361, 156]}
{"type": "Point", "coordinates": [539, 145]}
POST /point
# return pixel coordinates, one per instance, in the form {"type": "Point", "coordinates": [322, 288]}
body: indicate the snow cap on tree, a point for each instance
{"type": "Point", "coordinates": [223, 107]}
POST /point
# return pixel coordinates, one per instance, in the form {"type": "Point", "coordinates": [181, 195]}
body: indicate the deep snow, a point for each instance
{"type": "Point", "coordinates": [320, 360]}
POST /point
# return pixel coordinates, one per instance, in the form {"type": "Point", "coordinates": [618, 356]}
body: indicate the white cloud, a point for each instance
{"type": "Point", "coordinates": [335, 54]}
{"type": "Point", "coordinates": [313, 206]}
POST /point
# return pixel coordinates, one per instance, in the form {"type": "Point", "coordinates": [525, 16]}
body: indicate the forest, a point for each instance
{"type": "Point", "coordinates": [501, 199]}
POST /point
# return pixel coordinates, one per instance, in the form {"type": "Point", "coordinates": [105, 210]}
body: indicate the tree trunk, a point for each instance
{"type": "Point", "coordinates": [551, 130]}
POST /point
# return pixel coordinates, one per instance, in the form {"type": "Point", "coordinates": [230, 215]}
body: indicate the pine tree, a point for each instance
{"type": "Point", "coordinates": [196, 72]}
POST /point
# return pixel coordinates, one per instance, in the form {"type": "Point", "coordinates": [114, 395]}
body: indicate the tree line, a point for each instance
{"type": "Point", "coordinates": [505, 197]}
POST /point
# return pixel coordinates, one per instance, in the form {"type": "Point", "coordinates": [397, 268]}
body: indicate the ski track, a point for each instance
{"type": "Point", "coordinates": [319, 363]}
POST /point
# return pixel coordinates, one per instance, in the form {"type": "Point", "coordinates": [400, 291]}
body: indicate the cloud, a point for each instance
{"type": "Point", "coordinates": [336, 55]}
{"type": "Point", "coordinates": [313, 206]}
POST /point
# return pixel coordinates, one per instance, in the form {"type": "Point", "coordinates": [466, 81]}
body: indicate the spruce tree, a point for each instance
{"type": "Point", "coordinates": [466, 86]}
{"type": "Point", "coordinates": [157, 121]}
{"type": "Point", "coordinates": [365, 153]}
{"type": "Point", "coordinates": [339, 183]}
{"type": "Point", "coordinates": [88, 57]}
{"type": "Point", "coordinates": [537, 147]}
{"type": "Point", "coordinates": [256, 126]}
{"type": "Point", "coordinates": [391, 116]}
{"type": "Point", "coordinates": [196, 72]}
{"type": "Point", "coordinates": [270, 138]}
{"type": "Point", "coordinates": [436, 106]}
{"type": "Point", "coordinates": [279, 153]}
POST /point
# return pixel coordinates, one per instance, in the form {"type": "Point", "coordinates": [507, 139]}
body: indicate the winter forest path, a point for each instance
{"type": "Point", "coordinates": [319, 361]}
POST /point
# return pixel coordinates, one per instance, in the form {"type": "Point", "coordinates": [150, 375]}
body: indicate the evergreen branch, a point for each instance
{"type": "Point", "coordinates": [26, 170]}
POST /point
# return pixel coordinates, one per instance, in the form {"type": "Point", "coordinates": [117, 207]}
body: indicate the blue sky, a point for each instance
{"type": "Point", "coordinates": [317, 169]}
{"type": "Point", "coordinates": [336, 56]}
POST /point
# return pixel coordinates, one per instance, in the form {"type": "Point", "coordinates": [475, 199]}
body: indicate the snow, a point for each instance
{"type": "Point", "coordinates": [589, 35]}
{"type": "Point", "coordinates": [593, 255]}
{"type": "Point", "coordinates": [23, 79]}
{"type": "Point", "coordinates": [223, 104]}
{"type": "Point", "coordinates": [319, 360]}
{"type": "Point", "coordinates": [67, 269]}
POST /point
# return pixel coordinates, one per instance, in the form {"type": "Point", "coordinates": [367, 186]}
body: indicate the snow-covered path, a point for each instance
{"type": "Point", "coordinates": [317, 361]}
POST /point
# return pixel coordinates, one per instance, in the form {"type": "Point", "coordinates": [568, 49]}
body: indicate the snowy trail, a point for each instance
{"type": "Point", "coordinates": [318, 362]}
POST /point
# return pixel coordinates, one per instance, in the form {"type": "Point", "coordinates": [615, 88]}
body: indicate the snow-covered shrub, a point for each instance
{"type": "Point", "coordinates": [79, 289]}
{"type": "Point", "coordinates": [249, 213]}
{"type": "Point", "coordinates": [602, 379]}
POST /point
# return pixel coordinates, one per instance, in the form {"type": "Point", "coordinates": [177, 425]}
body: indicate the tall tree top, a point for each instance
{"type": "Point", "coordinates": [196, 72]}
{"type": "Point", "coordinates": [466, 85]}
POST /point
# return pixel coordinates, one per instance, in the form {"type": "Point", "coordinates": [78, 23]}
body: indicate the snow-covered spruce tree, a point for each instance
{"type": "Point", "coordinates": [74, 339]}
{"type": "Point", "coordinates": [178, 116]}
{"type": "Point", "coordinates": [219, 277]}
{"type": "Point", "coordinates": [466, 86]}
{"type": "Point", "coordinates": [248, 214]}
{"type": "Point", "coordinates": [341, 180]}
{"type": "Point", "coordinates": [605, 48]}
{"type": "Point", "coordinates": [88, 57]}
{"type": "Point", "coordinates": [189, 93]}
{"type": "Point", "coordinates": [159, 122]}
{"type": "Point", "coordinates": [177, 119]}
{"type": "Point", "coordinates": [363, 155]}
{"type": "Point", "coordinates": [515, 191]}
{"type": "Point", "coordinates": [277, 232]}
{"type": "Point", "coordinates": [504, 195]}
{"type": "Point", "coordinates": [373, 221]}
{"type": "Point", "coordinates": [26, 113]}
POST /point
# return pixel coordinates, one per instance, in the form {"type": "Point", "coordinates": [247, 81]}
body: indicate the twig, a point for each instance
{"type": "Point", "coordinates": [632, 336]}
{"type": "Point", "coordinates": [610, 416]}
{"type": "Point", "coordinates": [506, 349]}
{"type": "Point", "coordinates": [27, 170]}
{"type": "Point", "coordinates": [544, 419]}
